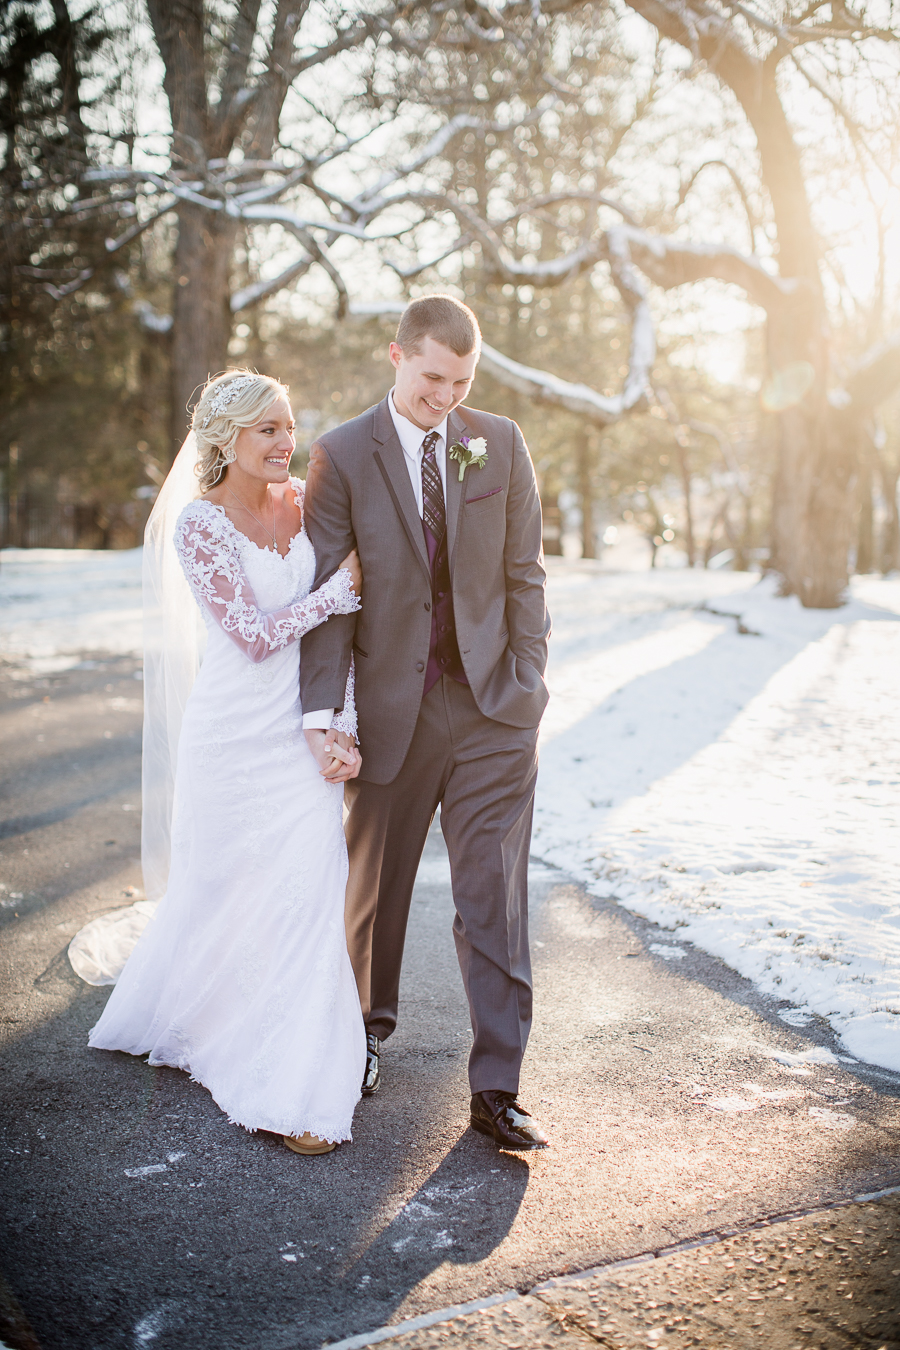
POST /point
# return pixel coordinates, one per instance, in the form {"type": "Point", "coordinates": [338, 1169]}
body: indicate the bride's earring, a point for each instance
{"type": "Point", "coordinates": [227, 457]}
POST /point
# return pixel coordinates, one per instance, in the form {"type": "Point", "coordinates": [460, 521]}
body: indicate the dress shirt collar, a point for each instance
{"type": "Point", "coordinates": [411, 436]}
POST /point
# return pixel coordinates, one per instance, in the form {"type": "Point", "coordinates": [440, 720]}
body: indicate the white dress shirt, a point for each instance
{"type": "Point", "coordinates": [411, 438]}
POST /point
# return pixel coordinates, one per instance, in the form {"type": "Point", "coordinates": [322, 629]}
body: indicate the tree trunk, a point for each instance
{"type": "Point", "coordinates": [202, 317]}
{"type": "Point", "coordinates": [202, 263]}
{"type": "Point", "coordinates": [812, 519]}
{"type": "Point", "coordinates": [586, 492]}
{"type": "Point", "coordinates": [685, 470]}
{"type": "Point", "coordinates": [720, 518]}
{"type": "Point", "coordinates": [865, 529]}
{"type": "Point", "coordinates": [889, 560]}
{"type": "Point", "coordinates": [812, 509]}
{"type": "Point", "coordinates": [742, 550]}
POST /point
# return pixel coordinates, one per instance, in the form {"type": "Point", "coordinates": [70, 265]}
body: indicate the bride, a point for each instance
{"type": "Point", "coordinates": [242, 977]}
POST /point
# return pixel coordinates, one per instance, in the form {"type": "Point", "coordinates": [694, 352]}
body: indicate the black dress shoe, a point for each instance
{"type": "Point", "coordinates": [372, 1077]}
{"type": "Point", "coordinates": [499, 1115]}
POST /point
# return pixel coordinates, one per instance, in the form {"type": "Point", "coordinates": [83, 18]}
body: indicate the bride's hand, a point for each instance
{"type": "Point", "coordinates": [351, 563]}
{"type": "Point", "coordinates": [346, 761]}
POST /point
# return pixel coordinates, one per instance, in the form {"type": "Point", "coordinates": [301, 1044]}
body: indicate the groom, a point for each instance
{"type": "Point", "coordinates": [450, 649]}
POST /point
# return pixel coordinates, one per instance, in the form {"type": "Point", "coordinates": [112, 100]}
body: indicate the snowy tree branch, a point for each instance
{"type": "Point", "coordinates": [670, 263]}
{"type": "Point", "coordinates": [372, 199]}
{"type": "Point", "coordinates": [261, 290]}
{"type": "Point", "coordinates": [543, 387]}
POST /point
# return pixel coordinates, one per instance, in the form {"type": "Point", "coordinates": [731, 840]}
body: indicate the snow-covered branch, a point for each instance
{"type": "Point", "coordinates": [372, 199]}
{"type": "Point", "coordinates": [113, 245]}
{"type": "Point", "coordinates": [151, 319]}
{"type": "Point", "coordinates": [261, 290]}
{"type": "Point", "coordinates": [708, 33]}
{"type": "Point", "coordinates": [671, 262]}
{"type": "Point", "coordinates": [499, 262]}
{"type": "Point", "coordinates": [543, 387]}
{"type": "Point", "coordinates": [70, 287]}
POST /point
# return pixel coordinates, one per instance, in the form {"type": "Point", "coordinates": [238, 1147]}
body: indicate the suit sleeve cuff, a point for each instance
{"type": "Point", "coordinates": [318, 721]}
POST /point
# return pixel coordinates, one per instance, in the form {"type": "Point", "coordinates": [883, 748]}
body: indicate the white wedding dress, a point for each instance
{"type": "Point", "coordinates": [242, 976]}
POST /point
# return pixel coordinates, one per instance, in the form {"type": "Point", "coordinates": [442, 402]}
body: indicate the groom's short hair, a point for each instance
{"type": "Point", "coordinates": [443, 318]}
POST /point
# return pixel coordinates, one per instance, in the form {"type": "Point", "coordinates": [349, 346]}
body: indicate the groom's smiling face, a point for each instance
{"type": "Point", "coordinates": [432, 382]}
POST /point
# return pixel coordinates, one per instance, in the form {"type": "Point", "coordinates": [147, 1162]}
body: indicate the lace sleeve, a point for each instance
{"type": "Point", "coordinates": [345, 720]}
{"type": "Point", "coordinates": [212, 566]}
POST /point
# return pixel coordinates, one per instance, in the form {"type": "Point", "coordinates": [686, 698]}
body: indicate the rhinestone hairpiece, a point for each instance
{"type": "Point", "coordinates": [225, 396]}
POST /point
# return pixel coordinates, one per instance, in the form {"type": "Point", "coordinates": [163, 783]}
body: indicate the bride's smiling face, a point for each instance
{"type": "Point", "coordinates": [264, 450]}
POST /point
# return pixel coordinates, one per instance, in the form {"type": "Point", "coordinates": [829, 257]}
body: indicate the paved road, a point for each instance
{"type": "Point", "coordinates": [135, 1215]}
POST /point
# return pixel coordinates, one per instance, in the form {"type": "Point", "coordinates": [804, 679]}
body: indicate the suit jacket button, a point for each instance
{"type": "Point", "coordinates": [428, 606]}
{"type": "Point", "coordinates": [420, 665]}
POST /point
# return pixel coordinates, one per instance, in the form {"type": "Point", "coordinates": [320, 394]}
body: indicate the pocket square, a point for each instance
{"type": "Point", "coordinates": [493, 492]}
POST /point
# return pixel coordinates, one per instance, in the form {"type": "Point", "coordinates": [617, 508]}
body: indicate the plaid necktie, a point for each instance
{"type": "Point", "coordinates": [433, 511]}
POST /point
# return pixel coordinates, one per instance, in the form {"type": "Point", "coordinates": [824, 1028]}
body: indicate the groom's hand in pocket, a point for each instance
{"type": "Point", "coordinates": [335, 753]}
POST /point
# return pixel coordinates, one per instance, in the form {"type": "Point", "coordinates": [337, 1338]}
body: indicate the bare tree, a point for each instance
{"type": "Point", "coordinates": [460, 79]}
{"type": "Point", "coordinates": [229, 175]}
{"type": "Point", "coordinates": [819, 410]}
{"type": "Point", "coordinates": [223, 101]}
{"type": "Point", "coordinates": [226, 102]}
{"type": "Point", "coordinates": [743, 46]}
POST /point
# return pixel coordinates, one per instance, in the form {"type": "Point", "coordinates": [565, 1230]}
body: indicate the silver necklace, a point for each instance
{"type": "Point", "coordinates": [257, 519]}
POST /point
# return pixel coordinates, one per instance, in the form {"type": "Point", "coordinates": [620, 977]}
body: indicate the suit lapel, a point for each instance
{"type": "Point", "coordinates": [456, 427]}
{"type": "Point", "coordinates": [392, 463]}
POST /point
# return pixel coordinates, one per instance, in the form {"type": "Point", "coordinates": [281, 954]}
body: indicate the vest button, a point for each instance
{"type": "Point", "coordinates": [443, 628]}
{"type": "Point", "coordinates": [443, 660]}
{"type": "Point", "coordinates": [428, 606]}
{"type": "Point", "coordinates": [440, 595]}
{"type": "Point", "coordinates": [420, 665]}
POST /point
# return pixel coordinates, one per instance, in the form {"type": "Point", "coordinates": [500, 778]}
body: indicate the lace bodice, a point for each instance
{"type": "Point", "coordinates": [212, 553]}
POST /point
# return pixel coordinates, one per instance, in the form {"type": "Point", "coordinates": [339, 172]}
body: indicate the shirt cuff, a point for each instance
{"type": "Point", "coordinates": [318, 721]}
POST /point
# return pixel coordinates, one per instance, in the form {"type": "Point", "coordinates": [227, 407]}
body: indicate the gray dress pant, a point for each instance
{"type": "Point", "coordinates": [482, 773]}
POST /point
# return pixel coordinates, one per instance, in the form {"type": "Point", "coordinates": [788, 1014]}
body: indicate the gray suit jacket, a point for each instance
{"type": "Point", "coordinates": [358, 492]}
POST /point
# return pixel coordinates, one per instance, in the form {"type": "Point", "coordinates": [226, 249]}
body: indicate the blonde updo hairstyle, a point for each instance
{"type": "Point", "coordinates": [218, 420]}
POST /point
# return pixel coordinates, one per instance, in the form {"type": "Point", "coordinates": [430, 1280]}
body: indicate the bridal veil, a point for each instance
{"type": "Point", "coordinates": [174, 639]}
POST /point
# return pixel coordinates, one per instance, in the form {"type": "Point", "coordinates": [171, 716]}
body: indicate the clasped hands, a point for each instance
{"type": "Point", "coordinates": [335, 753]}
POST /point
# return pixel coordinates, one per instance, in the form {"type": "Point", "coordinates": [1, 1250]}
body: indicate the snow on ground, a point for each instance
{"type": "Point", "coordinates": [741, 789]}
{"type": "Point", "coordinates": [56, 604]}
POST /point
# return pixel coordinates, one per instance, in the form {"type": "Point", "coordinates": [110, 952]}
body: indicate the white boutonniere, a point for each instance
{"type": "Point", "coordinates": [469, 450]}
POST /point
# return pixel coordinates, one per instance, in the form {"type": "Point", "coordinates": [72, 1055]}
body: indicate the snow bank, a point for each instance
{"type": "Point", "coordinates": [739, 789]}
